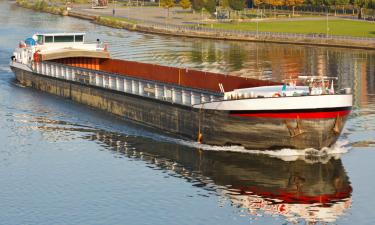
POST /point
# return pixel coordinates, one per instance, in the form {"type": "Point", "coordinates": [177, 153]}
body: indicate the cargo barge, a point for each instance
{"type": "Point", "coordinates": [211, 108]}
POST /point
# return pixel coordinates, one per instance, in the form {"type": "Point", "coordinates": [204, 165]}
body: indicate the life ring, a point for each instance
{"type": "Point", "coordinates": [276, 95]}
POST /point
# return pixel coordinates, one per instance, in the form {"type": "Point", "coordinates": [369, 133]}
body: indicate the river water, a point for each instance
{"type": "Point", "coordinates": [64, 163]}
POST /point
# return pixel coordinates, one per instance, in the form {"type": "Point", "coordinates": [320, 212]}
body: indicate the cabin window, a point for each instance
{"type": "Point", "coordinates": [48, 39]}
{"type": "Point", "coordinates": [40, 39]}
{"type": "Point", "coordinates": [69, 38]}
{"type": "Point", "coordinates": [79, 38]}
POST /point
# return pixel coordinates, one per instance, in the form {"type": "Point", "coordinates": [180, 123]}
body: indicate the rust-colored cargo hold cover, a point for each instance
{"type": "Point", "coordinates": [179, 76]}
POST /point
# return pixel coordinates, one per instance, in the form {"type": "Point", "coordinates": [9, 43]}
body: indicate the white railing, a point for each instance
{"type": "Point", "coordinates": [173, 28]}
{"type": "Point", "coordinates": [127, 84]}
{"type": "Point", "coordinates": [256, 35]}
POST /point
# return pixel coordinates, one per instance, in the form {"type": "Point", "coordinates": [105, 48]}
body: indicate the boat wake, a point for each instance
{"type": "Point", "coordinates": [309, 154]}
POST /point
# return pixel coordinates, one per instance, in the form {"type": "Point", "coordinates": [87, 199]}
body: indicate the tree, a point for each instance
{"type": "Point", "coordinates": [259, 2]}
{"type": "Point", "coordinates": [224, 8]}
{"type": "Point", "coordinates": [210, 6]}
{"type": "Point", "coordinates": [237, 5]}
{"type": "Point", "coordinates": [224, 4]}
{"type": "Point", "coordinates": [185, 4]}
{"type": "Point", "coordinates": [371, 5]}
{"type": "Point", "coordinates": [336, 3]}
{"type": "Point", "coordinates": [293, 4]}
{"type": "Point", "coordinates": [275, 3]}
{"type": "Point", "coordinates": [197, 5]}
{"type": "Point", "coordinates": [360, 4]}
{"type": "Point", "coordinates": [167, 4]}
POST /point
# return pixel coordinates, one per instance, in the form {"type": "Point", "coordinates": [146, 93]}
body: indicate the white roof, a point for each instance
{"type": "Point", "coordinates": [60, 34]}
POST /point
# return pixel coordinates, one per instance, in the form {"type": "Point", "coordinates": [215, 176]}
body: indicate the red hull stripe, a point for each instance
{"type": "Point", "coordinates": [297, 197]}
{"type": "Point", "coordinates": [293, 115]}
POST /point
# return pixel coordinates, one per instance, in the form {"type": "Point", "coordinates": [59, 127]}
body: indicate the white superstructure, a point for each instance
{"type": "Point", "coordinates": [53, 45]}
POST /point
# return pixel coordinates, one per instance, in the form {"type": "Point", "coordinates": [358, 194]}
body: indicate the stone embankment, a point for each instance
{"type": "Point", "coordinates": [202, 32]}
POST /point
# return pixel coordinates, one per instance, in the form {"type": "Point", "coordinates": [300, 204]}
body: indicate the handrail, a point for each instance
{"type": "Point", "coordinates": [255, 34]}
{"type": "Point", "coordinates": [135, 78]}
{"type": "Point", "coordinates": [127, 84]}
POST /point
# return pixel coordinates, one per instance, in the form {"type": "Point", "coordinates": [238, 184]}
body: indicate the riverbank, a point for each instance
{"type": "Point", "coordinates": [332, 26]}
{"type": "Point", "coordinates": [211, 32]}
{"type": "Point", "coordinates": [43, 7]}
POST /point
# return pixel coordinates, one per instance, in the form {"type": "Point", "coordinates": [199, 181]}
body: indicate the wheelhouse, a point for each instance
{"type": "Point", "coordinates": [60, 38]}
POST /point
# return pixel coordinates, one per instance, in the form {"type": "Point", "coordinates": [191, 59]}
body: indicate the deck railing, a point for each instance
{"type": "Point", "coordinates": [146, 88]}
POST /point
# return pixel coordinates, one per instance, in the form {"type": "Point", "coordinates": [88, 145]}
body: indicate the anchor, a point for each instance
{"type": "Point", "coordinates": [295, 131]}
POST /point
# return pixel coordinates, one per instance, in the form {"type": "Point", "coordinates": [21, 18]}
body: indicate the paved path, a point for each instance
{"type": "Point", "coordinates": [177, 15]}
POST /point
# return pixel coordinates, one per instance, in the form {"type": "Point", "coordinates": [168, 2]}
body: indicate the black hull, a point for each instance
{"type": "Point", "coordinates": [217, 127]}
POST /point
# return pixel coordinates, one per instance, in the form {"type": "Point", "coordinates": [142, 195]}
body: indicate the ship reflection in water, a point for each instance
{"type": "Point", "coordinates": [257, 184]}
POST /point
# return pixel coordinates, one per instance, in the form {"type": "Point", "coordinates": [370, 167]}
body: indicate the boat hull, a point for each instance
{"type": "Point", "coordinates": [215, 127]}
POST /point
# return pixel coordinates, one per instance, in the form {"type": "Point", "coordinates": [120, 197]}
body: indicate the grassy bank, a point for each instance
{"type": "Point", "coordinates": [336, 27]}
{"type": "Point", "coordinates": [118, 19]}
{"type": "Point", "coordinates": [116, 22]}
{"type": "Point", "coordinates": [43, 6]}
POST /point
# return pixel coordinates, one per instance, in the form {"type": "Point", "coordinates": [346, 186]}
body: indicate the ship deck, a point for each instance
{"type": "Point", "coordinates": [178, 76]}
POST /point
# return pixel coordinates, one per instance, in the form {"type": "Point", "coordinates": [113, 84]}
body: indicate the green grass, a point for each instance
{"type": "Point", "coordinates": [116, 22]}
{"type": "Point", "coordinates": [114, 19]}
{"type": "Point", "coordinates": [336, 27]}
{"type": "Point", "coordinates": [41, 5]}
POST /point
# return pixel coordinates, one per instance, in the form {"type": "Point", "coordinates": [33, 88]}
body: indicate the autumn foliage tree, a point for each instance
{"type": "Point", "coordinates": [185, 4]}
{"type": "Point", "coordinates": [360, 5]}
{"type": "Point", "coordinates": [167, 4]}
{"type": "Point", "coordinates": [293, 4]}
{"type": "Point", "coordinates": [275, 3]}
{"type": "Point", "coordinates": [259, 3]}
